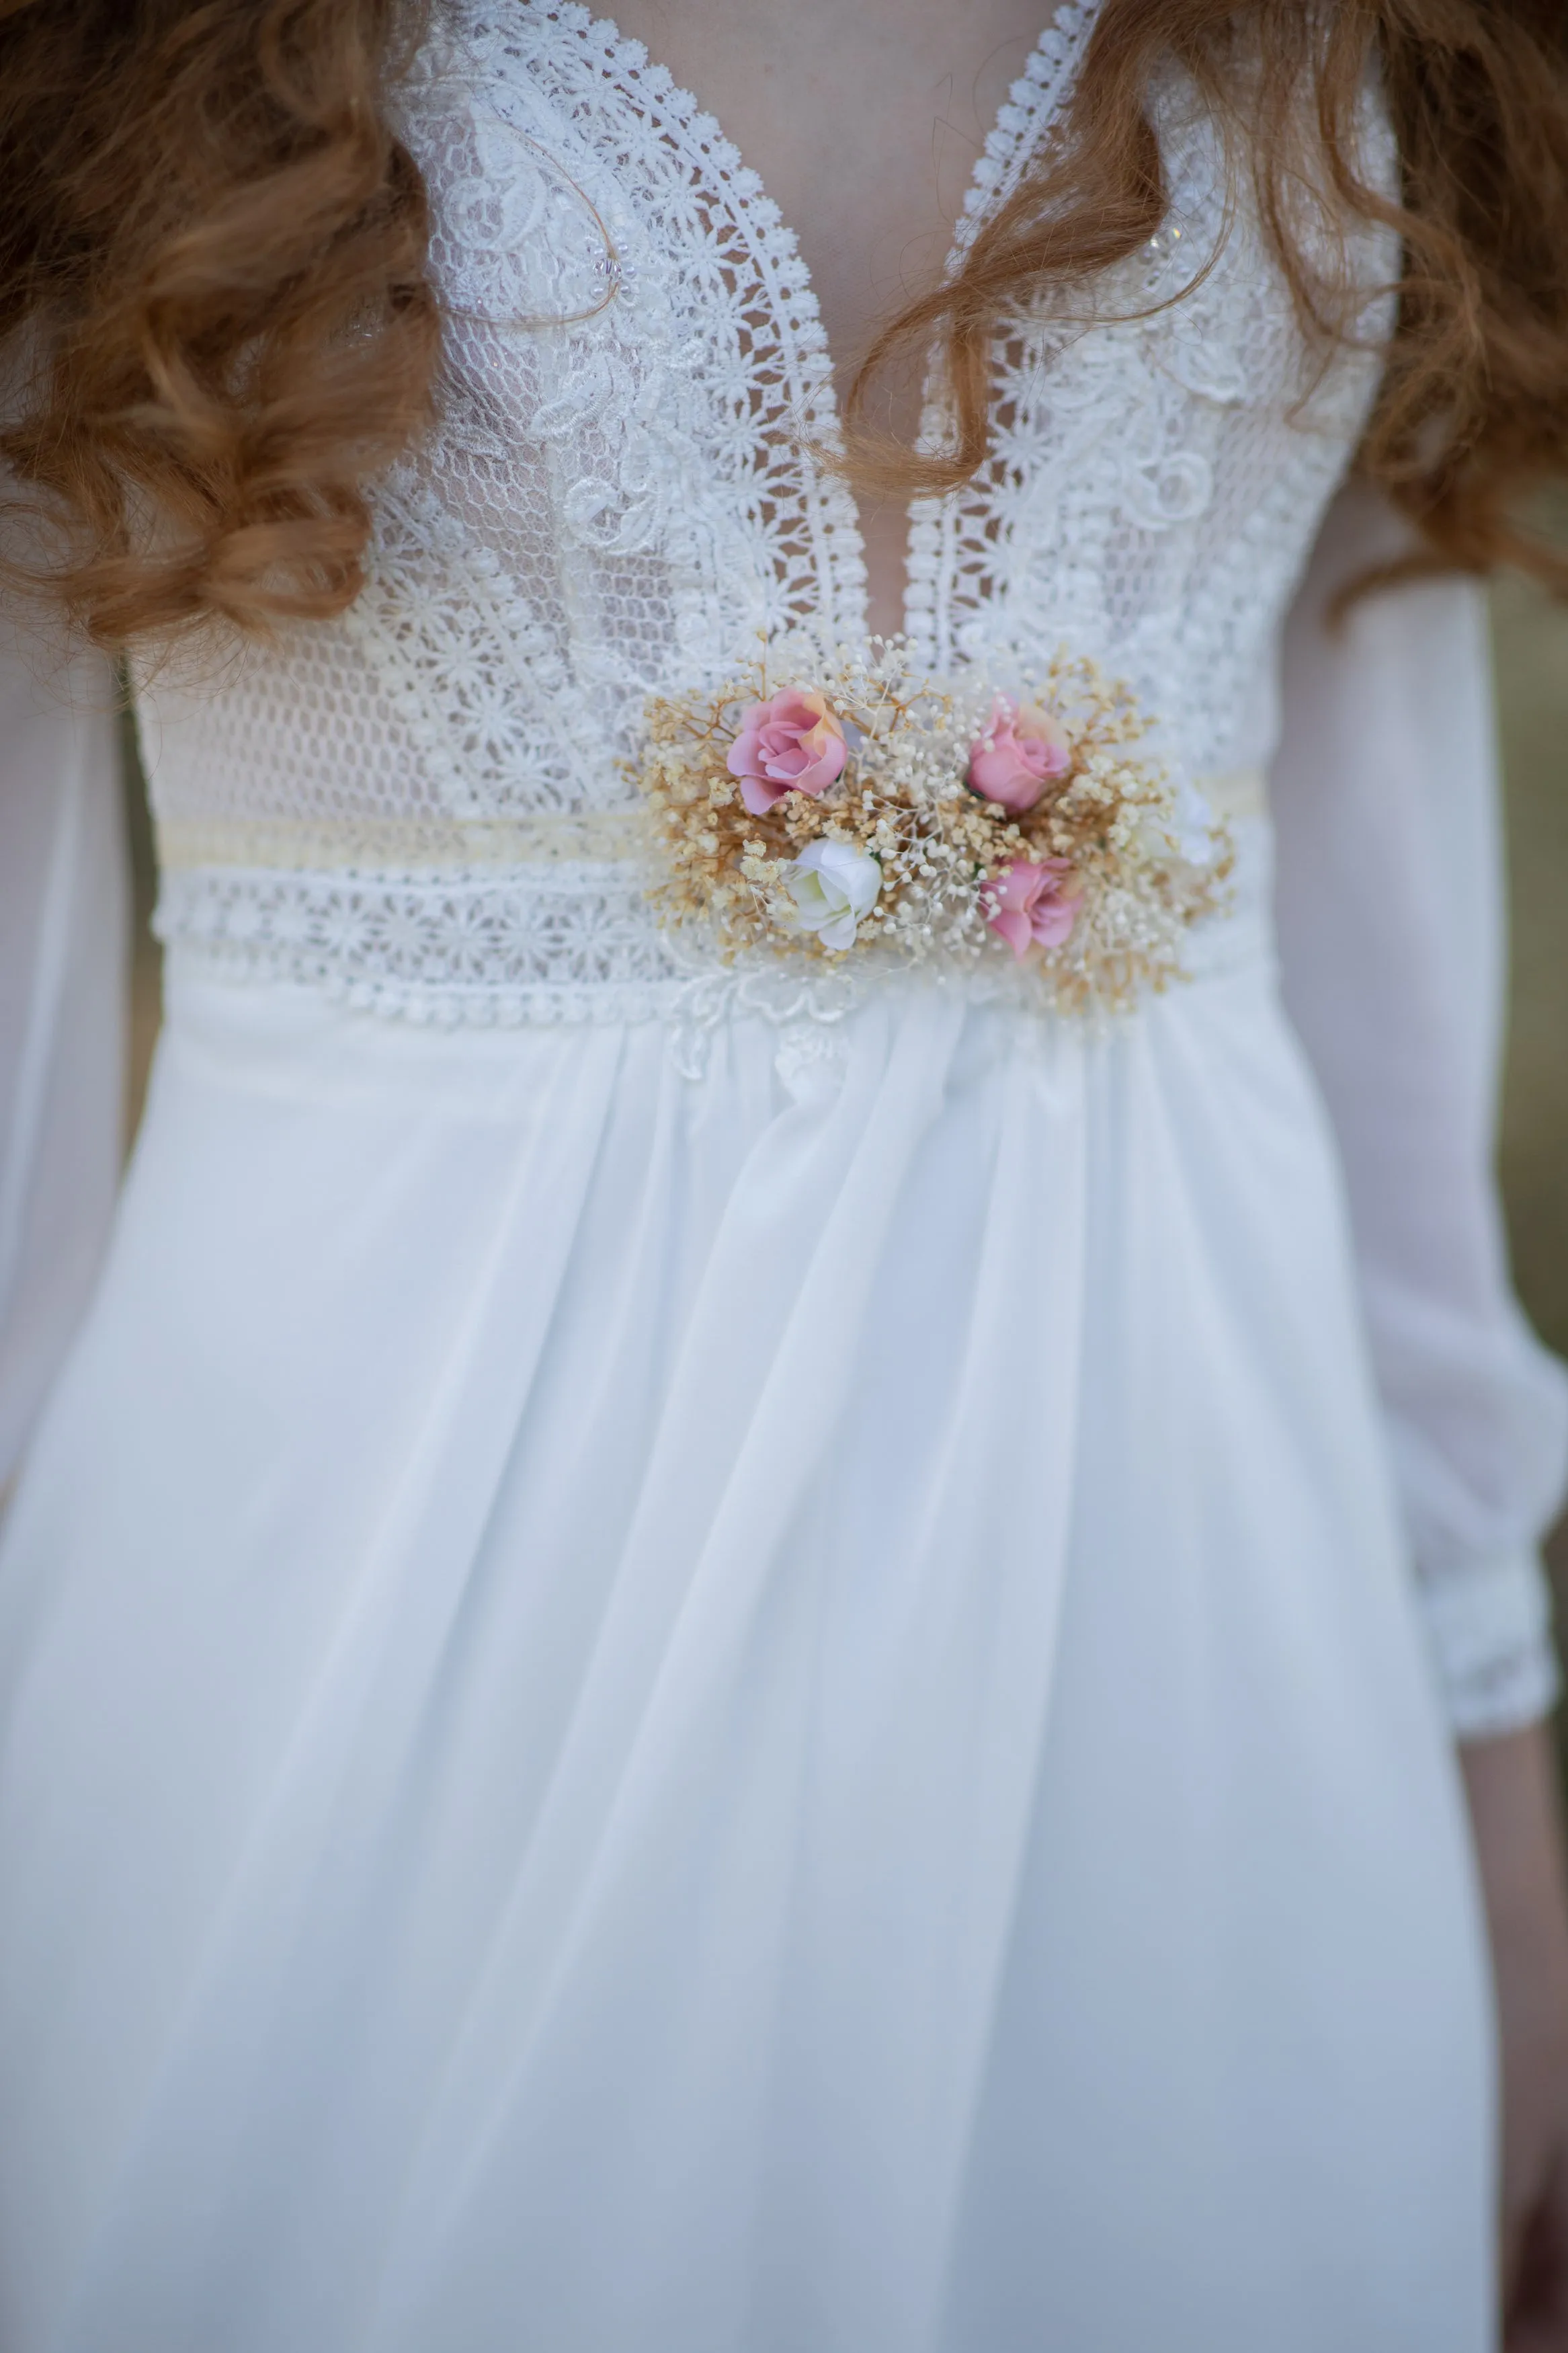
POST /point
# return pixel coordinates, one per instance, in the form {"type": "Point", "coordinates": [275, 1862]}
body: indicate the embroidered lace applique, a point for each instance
{"type": "Point", "coordinates": [619, 500]}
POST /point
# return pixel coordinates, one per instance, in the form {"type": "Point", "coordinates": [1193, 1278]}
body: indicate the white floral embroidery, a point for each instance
{"type": "Point", "coordinates": [620, 499]}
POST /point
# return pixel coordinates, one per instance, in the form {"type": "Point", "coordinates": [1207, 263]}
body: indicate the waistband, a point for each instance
{"type": "Point", "coordinates": [502, 923]}
{"type": "Point", "coordinates": [434, 842]}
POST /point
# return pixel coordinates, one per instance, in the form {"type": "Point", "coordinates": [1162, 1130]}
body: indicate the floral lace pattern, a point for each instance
{"type": "Point", "coordinates": [619, 501]}
{"type": "Point", "coordinates": [1159, 464]}
{"type": "Point", "coordinates": [564, 943]}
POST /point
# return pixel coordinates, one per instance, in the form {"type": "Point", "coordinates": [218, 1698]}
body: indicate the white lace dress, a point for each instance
{"type": "Point", "coordinates": [699, 1662]}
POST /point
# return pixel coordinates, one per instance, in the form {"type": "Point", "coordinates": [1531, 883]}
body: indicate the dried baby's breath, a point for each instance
{"type": "Point", "coordinates": [903, 800]}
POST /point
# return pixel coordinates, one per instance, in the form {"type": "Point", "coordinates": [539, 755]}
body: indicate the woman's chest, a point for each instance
{"type": "Point", "coordinates": [864, 122]}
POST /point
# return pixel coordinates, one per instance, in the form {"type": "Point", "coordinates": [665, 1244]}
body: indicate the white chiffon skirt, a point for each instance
{"type": "Point", "coordinates": [770, 1714]}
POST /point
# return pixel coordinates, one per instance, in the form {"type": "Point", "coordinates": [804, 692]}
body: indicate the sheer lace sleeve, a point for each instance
{"type": "Point", "coordinates": [1392, 941]}
{"type": "Point", "coordinates": [62, 1012]}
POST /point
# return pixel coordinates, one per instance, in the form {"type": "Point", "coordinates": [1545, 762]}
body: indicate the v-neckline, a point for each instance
{"type": "Point", "coordinates": [1034, 101]}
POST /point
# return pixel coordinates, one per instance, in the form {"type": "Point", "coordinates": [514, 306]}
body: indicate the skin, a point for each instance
{"type": "Point", "coordinates": [1511, 1785]}
{"type": "Point", "coordinates": [864, 123]}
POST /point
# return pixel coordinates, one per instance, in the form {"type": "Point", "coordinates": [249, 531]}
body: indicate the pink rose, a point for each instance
{"type": "Point", "coordinates": [1022, 749]}
{"type": "Point", "coordinates": [1031, 905]}
{"type": "Point", "coordinates": [791, 744]}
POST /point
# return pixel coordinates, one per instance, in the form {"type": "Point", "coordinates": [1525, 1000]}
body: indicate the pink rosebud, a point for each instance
{"type": "Point", "coordinates": [791, 745]}
{"type": "Point", "coordinates": [1032, 904]}
{"type": "Point", "coordinates": [1022, 749]}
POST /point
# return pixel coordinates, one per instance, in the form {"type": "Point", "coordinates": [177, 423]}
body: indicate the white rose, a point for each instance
{"type": "Point", "coordinates": [832, 887]}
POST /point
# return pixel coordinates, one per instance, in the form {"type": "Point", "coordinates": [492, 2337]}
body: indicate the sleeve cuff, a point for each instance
{"type": "Point", "coordinates": [1490, 1630]}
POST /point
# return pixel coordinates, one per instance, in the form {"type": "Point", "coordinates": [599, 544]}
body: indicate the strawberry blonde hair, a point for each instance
{"type": "Point", "coordinates": [217, 322]}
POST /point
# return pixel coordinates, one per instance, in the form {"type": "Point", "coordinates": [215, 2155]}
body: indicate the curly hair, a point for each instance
{"type": "Point", "coordinates": [219, 323]}
{"type": "Point", "coordinates": [1473, 408]}
{"type": "Point", "coordinates": [212, 283]}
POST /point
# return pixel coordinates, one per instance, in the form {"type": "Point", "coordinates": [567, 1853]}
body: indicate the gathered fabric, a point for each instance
{"type": "Point", "coordinates": [613, 1812]}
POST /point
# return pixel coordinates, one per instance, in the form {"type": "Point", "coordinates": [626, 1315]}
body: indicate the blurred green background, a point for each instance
{"type": "Point", "coordinates": [1531, 635]}
{"type": "Point", "coordinates": [1531, 639]}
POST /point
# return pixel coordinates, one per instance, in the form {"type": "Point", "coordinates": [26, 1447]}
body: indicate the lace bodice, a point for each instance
{"type": "Point", "coordinates": [417, 804]}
